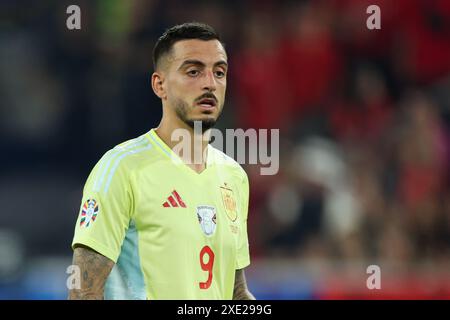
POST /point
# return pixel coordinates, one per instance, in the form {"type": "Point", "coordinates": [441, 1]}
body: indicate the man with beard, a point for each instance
{"type": "Point", "coordinates": [169, 223]}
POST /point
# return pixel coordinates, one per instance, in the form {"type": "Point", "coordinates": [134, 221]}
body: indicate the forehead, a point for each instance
{"type": "Point", "coordinates": [208, 52]}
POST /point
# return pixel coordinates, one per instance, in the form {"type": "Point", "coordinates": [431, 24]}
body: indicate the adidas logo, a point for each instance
{"type": "Point", "coordinates": [174, 200]}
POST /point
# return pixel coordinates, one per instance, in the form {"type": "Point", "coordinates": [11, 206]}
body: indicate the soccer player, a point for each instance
{"type": "Point", "coordinates": [154, 223]}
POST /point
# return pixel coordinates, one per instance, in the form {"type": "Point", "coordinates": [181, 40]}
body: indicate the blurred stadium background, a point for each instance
{"type": "Point", "coordinates": [364, 119]}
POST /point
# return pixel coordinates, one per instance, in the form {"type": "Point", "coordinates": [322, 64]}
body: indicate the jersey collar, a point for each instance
{"type": "Point", "coordinates": [164, 148]}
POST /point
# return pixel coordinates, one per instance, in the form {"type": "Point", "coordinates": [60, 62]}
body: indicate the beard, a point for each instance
{"type": "Point", "coordinates": [181, 109]}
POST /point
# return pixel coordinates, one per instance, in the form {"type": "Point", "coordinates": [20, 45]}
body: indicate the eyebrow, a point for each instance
{"type": "Point", "coordinates": [201, 64]}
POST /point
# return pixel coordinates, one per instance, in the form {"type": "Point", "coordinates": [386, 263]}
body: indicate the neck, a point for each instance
{"type": "Point", "coordinates": [189, 144]}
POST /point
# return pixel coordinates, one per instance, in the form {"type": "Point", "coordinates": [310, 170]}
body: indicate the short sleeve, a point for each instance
{"type": "Point", "coordinates": [243, 255]}
{"type": "Point", "coordinates": [105, 211]}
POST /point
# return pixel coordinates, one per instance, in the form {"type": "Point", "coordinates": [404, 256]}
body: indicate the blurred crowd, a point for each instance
{"type": "Point", "coordinates": [364, 116]}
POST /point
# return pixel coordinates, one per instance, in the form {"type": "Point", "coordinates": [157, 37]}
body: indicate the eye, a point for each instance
{"type": "Point", "coordinates": [219, 74]}
{"type": "Point", "coordinates": [193, 73]}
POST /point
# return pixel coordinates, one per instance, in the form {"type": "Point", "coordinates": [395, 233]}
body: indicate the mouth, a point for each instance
{"type": "Point", "coordinates": [207, 103]}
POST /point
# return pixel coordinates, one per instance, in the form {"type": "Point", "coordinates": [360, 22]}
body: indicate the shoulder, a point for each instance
{"type": "Point", "coordinates": [128, 154]}
{"type": "Point", "coordinates": [229, 164]}
{"type": "Point", "coordinates": [119, 162]}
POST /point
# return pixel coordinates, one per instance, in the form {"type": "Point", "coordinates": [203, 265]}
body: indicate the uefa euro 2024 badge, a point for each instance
{"type": "Point", "coordinates": [89, 213]}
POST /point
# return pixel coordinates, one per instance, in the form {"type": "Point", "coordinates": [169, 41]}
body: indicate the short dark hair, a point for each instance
{"type": "Point", "coordinates": [185, 31]}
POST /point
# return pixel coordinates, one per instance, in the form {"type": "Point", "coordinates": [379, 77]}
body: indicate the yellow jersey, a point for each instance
{"type": "Point", "coordinates": [172, 232]}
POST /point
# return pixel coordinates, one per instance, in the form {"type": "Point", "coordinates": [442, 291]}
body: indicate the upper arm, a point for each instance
{"type": "Point", "coordinates": [106, 206]}
{"type": "Point", "coordinates": [241, 291]}
{"type": "Point", "coordinates": [94, 270]}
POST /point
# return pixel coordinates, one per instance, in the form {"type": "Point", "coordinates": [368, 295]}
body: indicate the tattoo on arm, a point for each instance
{"type": "Point", "coordinates": [94, 269]}
{"type": "Point", "coordinates": [240, 287]}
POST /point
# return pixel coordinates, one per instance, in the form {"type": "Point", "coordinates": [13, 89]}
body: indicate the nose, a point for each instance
{"type": "Point", "coordinates": [209, 82]}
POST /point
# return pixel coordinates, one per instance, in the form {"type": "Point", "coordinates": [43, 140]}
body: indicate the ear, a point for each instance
{"type": "Point", "coordinates": [158, 85]}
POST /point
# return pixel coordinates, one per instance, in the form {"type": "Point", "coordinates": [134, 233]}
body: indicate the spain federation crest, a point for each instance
{"type": "Point", "coordinates": [89, 213]}
{"type": "Point", "coordinates": [228, 202]}
{"type": "Point", "coordinates": [207, 218]}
